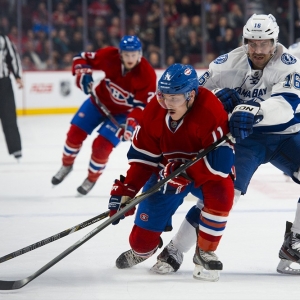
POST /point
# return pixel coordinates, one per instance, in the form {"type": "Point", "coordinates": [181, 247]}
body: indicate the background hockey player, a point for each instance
{"type": "Point", "coordinates": [185, 120]}
{"type": "Point", "coordinates": [295, 49]}
{"type": "Point", "coordinates": [265, 77]}
{"type": "Point", "coordinates": [129, 84]}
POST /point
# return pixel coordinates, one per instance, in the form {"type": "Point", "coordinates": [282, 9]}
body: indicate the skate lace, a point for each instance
{"type": "Point", "coordinates": [87, 184]}
{"type": "Point", "coordinates": [208, 256]}
{"type": "Point", "coordinates": [174, 252]}
{"type": "Point", "coordinates": [295, 242]}
{"type": "Point", "coordinates": [63, 171]}
{"type": "Point", "coordinates": [132, 258]}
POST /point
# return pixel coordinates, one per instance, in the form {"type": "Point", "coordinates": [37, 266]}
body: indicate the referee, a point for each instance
{"type": "Point", "coordinates": [9, 63]}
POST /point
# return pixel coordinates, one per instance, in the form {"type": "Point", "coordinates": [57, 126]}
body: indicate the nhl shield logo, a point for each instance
{"type": "Point", "coordinates": [65, 88]}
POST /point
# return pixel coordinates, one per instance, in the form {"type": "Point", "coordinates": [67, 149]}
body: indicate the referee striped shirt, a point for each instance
{"type": "Point", "coordinates": [9, 59]}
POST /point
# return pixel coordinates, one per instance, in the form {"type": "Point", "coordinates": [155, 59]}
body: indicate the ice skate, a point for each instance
{"type": "Point", "coordinates": [128, 259]}
{"type": "Point", "coordinates": [290, 252]}
{"type": "Point", "coordinates": [85, 187]}
{"type": "Point", "coordinates": [17, 154]}
{"type": "Point", "coordinates": [61, 174]}
{"type": "Point", "coordinates": [169, 260]}
{"type": "Point", "coordinates": [207, 265]}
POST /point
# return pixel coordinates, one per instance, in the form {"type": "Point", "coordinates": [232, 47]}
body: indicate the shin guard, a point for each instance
{"type": "Point", "coordinates": [75, 138]}
{"type": "Point", "coordinates": [101, 150]}
{"type": "Point", "coordinates": [144, 242]}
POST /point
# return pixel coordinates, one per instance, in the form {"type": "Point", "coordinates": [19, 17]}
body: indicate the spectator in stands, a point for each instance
{"type": "Point", "coordinates": [185, 7]}
{"type": "Point", "coordinates": [171, 39]}
{"type": "Point", "coordinates": [40, 14]}
{"type": "Point", "coordinates": [297, 19]}
{"type": "Point", "coordinates": [212, 18]}
{"type": "Point", "coordinates": [66, 62]}
{"type": "Point", "coordinates": [185, 60]}
{"type": "Point", "coordinates": [34, 57]}
{"type": "Point", "coordinates": [136, 25]}
{"type": "Point", "coordinates": [13, 35]}
{"type": "Point", "coordinates": [76, 42]}
{"type": "Point", "coordinates": [194, 43]}
{"type": "Point", "coordinates": [236, 19]}
{"type": "Point", "coordinates": [142, 17]}
{"type": "Point", "coordinates": [170, 60]}
{"type": "Point", "coordinates": [27, 64]}
{"type": "Point", "coordinates": [218, 33]}
{"type": "Point", "coordinates": [227, 43]}
{"type": "Point", "coordinates": [153, 21]}
{"type": "Point", "coordinates": [100, 8]}
{"type": "Point", "coordinates": [182, 31]}
{"type": "Point", "coordinates": [114, 36]}
{"type": "Point", "coordinates": [40, 19]}
{"type": "Point", "coordinates": [99, 24]}
{"type": "Point", "coordinates": [154, 59]}
{"type": "Point", "coordinates": [61, 42]}
{"type": "Point", "coordinates": [78, 24]}
{"type": "Point", "coordinates": [4, 25]}
{"type": "Point", "coordinates": [61, 18]}
{"type": "Point", "coordinates": [149, 41]}
{"type": "Point", "coordinates": [99, 40]}
{"type": "Point", "coordinates": [171, 15]}
{"type": "Point", "coordinates": [196, 25]}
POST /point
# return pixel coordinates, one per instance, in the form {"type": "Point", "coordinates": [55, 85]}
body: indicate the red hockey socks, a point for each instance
{"type": "Point", "coordinates": [101, 150]}
{"type": "Point", "coordinates": [75, 138]}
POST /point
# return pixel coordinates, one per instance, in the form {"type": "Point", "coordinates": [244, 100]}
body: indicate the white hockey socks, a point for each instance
{"type": "Point", "coordinates": [296, 224]}
{"type": "Point", "coordinates": [185, 238]}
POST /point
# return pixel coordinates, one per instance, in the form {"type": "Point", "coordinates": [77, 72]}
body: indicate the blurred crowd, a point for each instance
{"type": "Point", "coordinates": [45, 48]}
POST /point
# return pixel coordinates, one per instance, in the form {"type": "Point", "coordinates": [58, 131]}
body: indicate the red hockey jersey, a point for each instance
{"type": "Point", "coordinates": [156, 144]}
{"type": "Point", "coordinates": [120, 93]}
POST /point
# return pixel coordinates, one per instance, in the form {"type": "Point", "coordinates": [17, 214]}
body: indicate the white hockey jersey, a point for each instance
{"type": "Point", "coordinates": [294, 49]}
{"type": "Point", "coordinates": [276, 87]}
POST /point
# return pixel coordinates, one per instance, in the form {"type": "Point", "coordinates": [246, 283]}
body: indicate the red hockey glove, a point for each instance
{"type": "Point", "coordinates": [129, 129]}
{"type": "Point", "coordinates": [120, 194]}
{"type": "Point", "coordinates": [178, 183]}
{"type": "Point", "coordinates": [84, 79]}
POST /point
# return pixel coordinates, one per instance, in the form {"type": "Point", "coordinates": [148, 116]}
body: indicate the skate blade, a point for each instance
{"type": "Point", "coordinates": [79, 195]}
{"type": "Point", "coordinates": [162, 268]}
{"type": "Point", "coordinates": [207, 275]}
{"type": "Point", "coordinates": [284, 267]}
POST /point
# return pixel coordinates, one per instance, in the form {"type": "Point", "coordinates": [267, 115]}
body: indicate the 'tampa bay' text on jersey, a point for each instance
{"type": "Point", "coordinates": [276, 87]}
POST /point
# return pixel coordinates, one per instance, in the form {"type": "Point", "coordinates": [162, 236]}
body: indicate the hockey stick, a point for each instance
{"type": "Point", "coordinates": [17, 284]}
{"type": "Point", "coordinates": [54, 237]}
{"type": "Point", "coordinates": [105, 110]}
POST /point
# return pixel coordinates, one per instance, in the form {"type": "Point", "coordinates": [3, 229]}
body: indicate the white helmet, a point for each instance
{"type": "Point", "coordinates": [261, 27]}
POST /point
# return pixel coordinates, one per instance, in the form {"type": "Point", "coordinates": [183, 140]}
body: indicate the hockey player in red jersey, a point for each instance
{"type": "Point", "coordinates": [185, 119]}
{"type": "Point", "coordinates": [129, 84]}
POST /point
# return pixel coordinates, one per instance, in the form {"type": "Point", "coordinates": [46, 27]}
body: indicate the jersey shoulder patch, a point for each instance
{"type": "Point", "coordinates": [221, 59]}
{"type": "Point", "coordinates": [288, 59]}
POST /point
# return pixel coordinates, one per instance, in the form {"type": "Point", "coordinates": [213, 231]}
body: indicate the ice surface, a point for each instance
{"type": "Point", "coordinates": [31, 210]}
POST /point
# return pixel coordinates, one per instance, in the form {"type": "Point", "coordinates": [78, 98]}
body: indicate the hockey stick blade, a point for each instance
{"type": "Point", "coordinates": [17, 284]}
{"type": "Point", "coordinates": [54, 237]}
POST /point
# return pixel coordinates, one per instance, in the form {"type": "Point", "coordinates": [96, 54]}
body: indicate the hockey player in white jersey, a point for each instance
{"type": "Point", "coordinates": [294, 49]}
{"type": "Point", "coordinates": [259, 86]}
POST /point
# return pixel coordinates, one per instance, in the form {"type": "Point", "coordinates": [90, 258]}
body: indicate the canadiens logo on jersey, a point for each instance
{"type": "Point", "coordinates": [118, 95]}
